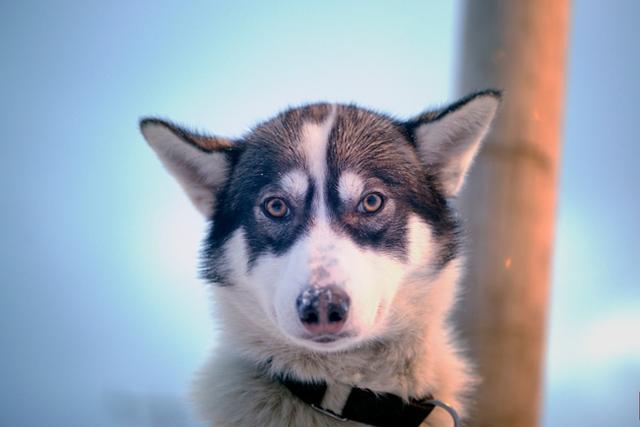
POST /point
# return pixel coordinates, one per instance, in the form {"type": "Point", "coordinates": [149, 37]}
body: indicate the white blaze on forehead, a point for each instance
{"type": "Point", "coordinates": [295, 182]}
{"type": "Point", "coordinates": [315, 139]}
{"type": "Point", "coordinates": [350, 186]}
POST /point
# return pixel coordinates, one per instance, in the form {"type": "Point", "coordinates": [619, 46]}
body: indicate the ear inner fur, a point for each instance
{"type": "Point", "coordinates": [199, 163]}
{"type": "Point", "coordinates": [448, 140]}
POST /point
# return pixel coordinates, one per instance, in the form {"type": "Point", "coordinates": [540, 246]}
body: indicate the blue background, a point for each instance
{"type": "Point", "coordinates": [102, 319]}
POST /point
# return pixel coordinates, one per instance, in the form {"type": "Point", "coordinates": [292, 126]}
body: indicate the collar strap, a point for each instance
{"type": "Point", "coordinates": [365, 406]}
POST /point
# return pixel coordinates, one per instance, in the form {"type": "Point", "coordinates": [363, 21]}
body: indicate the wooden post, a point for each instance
{"type": "Point", "coordinates": [510, 198]}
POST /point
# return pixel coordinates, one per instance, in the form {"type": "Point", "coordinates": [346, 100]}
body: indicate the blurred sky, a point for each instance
{"type": "Point", "coordinates": [102, 319]}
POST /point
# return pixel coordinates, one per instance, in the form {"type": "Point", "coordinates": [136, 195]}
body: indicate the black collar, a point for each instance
{"type": "Point", "coordinates": [365, 406]}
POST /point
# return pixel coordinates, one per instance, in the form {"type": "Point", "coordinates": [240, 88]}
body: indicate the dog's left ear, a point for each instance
{"type": "Point", "coordinates": [199, 163]}
{"type": "Point", "coordinates": [448, 140]}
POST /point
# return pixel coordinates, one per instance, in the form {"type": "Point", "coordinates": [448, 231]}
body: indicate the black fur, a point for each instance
{"type": "Point", "coordinates": [373, 145]}
{"type": "Point", "coordinates": [266, 154]}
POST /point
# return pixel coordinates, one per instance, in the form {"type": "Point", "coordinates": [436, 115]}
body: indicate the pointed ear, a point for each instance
{"type": "Point", "coordinates": [448, 140]}
{"type": "Point", "coordinates": [199, 163]}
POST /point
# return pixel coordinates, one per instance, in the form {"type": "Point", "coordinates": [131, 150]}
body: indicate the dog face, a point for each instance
{"type": "Point", "coordinates": [322, 214]}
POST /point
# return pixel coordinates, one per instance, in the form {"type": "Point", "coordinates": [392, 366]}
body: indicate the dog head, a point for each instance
{"type": "Point", "coordinates": [322, 214]}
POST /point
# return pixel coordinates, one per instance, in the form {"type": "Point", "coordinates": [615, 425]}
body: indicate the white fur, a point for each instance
{"type": "Point", "coordinates": [400, 341]}
{"type": "Point", "coordinates": [411, 355]}
{"type": "Point", "coordinates": [369, 278]}
{"type": "Point", "coordinates": [399, 338]}
{"type": "Point", "coordinates": [199, 173]}
{"type": "Point", "coordinates": [321, 258]}
{"type": "Point", "coordinates": [315, 138]}
{"type": "Point", "coordinates": [415, 356]}
{"type": "Point", "coordinates": [452, 142]}
{"type": "Point", "coordinates": [350, 186]}
{"type": "Point", "coordinates": [295, 182]}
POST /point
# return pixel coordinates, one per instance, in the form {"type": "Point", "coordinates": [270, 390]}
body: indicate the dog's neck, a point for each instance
{"type": "Point", "coordinates": [402, 362]}
{"type": "Point", "coordinates": [377, 366]}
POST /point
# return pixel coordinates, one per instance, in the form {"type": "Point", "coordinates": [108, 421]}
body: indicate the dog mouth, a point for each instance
{"type": "Point", "coordinates": [326, 338]}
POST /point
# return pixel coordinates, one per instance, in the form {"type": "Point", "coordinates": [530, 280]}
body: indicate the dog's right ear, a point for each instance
{"type": "Point", "coordinates": [200, 163]}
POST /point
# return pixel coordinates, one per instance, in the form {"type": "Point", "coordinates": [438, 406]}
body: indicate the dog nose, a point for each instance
{"type": "Point", "coordinates": [323, 310]}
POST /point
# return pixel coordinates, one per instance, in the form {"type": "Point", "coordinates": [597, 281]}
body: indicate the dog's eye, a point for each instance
{"type": "Point", "coordinates": [371, 203]}
{"type": "Point", "coordinates": [275, 207]}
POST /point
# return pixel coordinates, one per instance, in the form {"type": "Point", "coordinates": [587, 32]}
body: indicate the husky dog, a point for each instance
{"type": "Point", "coordinates": [334, 253]}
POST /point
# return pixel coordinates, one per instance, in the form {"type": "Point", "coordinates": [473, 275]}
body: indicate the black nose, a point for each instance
{"type": "Point", "coordinates": [323, 310]}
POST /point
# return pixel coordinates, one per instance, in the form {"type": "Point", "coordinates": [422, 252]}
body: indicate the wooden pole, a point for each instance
{"type": "Point", "coordinates": [510, 198]}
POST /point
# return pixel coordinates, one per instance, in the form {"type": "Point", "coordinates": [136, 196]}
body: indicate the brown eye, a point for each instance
{"type": "Point", "coordinates": [275, 207]}
{"type": "Point", "coordinates": [371, 203]}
